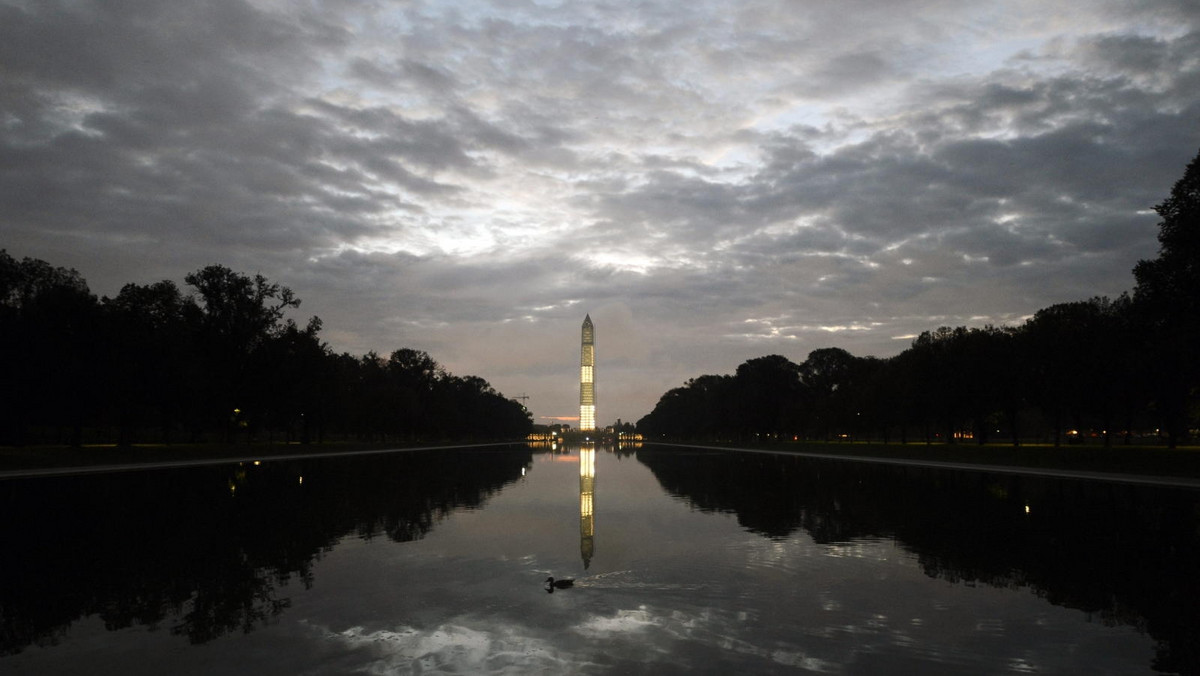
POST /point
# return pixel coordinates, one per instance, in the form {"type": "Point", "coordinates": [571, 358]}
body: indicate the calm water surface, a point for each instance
{"type": "Point", "coordinates": [684, 562]}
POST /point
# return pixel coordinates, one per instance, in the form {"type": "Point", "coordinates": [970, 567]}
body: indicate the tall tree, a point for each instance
{"type": "Point", "coordinates": [240, 314]}
{"type": "Point", "coordinates": [823, 375]}
{"type": "Point", "coordinates": [149, 347]}
{"type": "Point", "coordinates": [704, 408]}
{"type": "Point", "coordinates": [1167, 299]}
{"type": "Point", "coordinates": [49, 323]}
{"type": "Point", "coordinates": [768, 390]}
{"type": "Point", "coordinates": [941, 373]}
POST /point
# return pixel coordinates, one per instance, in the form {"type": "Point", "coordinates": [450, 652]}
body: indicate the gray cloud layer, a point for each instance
{"type": "Point", "coordinates": [711, 183]}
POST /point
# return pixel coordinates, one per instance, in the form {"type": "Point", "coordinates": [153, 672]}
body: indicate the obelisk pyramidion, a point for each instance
{"type": "Point", "coordinates": [587, 373]}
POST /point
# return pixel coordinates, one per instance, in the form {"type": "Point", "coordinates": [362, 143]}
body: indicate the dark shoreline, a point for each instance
{"type": "Point", "coordinates": [1144, 464]}
{"type": "Point", "coordinates": [1081, 471]}
{"type": "Point", "coordinates": [36, 461]}
{"type": "Point", "coordinates": [1180, 465]}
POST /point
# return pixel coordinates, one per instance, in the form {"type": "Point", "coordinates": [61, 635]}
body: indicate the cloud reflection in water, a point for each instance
{"type": "Point", "coordinates": [450, 649]}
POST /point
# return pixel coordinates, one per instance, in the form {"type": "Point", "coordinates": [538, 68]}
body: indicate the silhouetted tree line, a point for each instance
{"type": "Point", "coordinates": [218, 363]}
{"type": "Point", "coordinates": [1109, 367]}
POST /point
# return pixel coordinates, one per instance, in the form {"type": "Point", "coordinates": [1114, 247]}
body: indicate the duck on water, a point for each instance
{"type": "Point", "coordinates": [552, 584]}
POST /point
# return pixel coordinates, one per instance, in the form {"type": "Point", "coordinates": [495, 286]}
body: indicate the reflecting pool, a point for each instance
{"type": "Point", "coordinates": [683, 561]}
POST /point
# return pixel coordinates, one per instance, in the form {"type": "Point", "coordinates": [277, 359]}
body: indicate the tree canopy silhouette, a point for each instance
{"type": "Point", "coordinates": [221, 363]}
{"type": "Point", "coordinates": [1167, 297]}
{"type": "Point", "coordinates": [1108, 368]}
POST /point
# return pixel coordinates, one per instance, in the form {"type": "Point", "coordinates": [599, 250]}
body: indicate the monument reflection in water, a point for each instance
{"type": "Point", "coordinates": [709, 563]}
{"type": "Point", "coordinates": [587, 499]}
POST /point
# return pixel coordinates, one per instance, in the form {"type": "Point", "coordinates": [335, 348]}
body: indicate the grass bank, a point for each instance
{"type": "Point", "coordinates": [1134, 460]}
{"type": "Point", "coordinates": [25, 458]}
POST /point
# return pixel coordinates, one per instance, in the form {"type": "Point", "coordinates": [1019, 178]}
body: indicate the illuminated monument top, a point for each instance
{"type": "Point", "coordinates": [587, 372]}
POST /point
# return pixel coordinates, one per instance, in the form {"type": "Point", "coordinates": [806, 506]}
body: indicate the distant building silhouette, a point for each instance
{"type": "Point", "coordinates": [587, 373]}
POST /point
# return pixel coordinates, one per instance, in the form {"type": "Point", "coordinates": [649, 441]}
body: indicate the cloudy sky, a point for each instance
{"type": "Point", "coordinates": [711, 181]}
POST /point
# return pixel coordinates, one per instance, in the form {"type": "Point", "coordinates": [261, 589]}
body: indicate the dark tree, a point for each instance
{"type": "Point", "coordinates": [49, 352]}
{"type": "Point", "coordinates": [294, 373]}
{"type": "Point", "coordinates": [703, 409]}
{"type": "Point", "coordinates": [869, 401]}
{"type": "Point", "coordinates": [1167, 298]}
{"type": "Point", "coordinates": [938, 359]}
{"type": "Point", "coordinates": [150, 367]}
{"type": "Point", "coordinates": [413, 377]}
{"type": "Point", "coordinates": [768, 395]}
{"type": "Point", "coordinates": [1083, 365]}
{"type": "Point", "coordinates": [240, 314]}
{"type": "Point", "coordinates": [827, 376]}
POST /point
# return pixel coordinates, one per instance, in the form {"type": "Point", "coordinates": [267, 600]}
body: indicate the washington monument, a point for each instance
{"type": "Point", "coordinates": [587, 373]}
